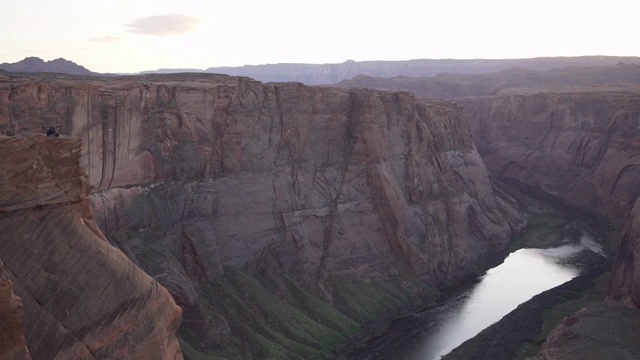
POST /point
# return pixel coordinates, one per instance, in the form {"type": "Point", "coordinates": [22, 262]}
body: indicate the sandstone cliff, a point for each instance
{"type": "Point", "coordinates": [12, 345]}
{"type": "Point", "coordinates": [82, 297]}
{"type": "Point", "coordinates": [582, 147]}
{"type": "Point", "coordinates": [625, 276]}
{"type": "Point", "coordinates": [278, 215]}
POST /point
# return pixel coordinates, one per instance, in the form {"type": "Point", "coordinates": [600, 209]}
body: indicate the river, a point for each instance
{"type": "Point", "coordinates": [436, 331]}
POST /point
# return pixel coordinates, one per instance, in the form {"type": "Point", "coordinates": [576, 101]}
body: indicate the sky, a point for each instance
{"type": "Point", "coordinates": [119, 36]}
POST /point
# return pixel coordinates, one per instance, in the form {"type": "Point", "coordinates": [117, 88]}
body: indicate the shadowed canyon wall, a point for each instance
{"type": "Point", "coordinates": [278, 215]}
{"type": "Point", "coordinates": [12, 343]}
{"type": "Point", "coordinates": [82, 298]}
{"type": "Point", "coordinates": [582, 147]}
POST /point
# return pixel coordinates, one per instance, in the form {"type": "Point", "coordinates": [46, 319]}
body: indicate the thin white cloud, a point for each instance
{"type": "Point", "coordinates": [106, 39]}
{"type": "Point", "coordinates": [163, 25]}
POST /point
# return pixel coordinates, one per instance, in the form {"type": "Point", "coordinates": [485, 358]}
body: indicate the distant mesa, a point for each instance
{"type": "Point", "coordinates": [35, 64]}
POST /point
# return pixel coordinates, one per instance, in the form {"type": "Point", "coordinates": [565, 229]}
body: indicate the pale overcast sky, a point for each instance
{"type": "Point", "coordinates": [130, 36]}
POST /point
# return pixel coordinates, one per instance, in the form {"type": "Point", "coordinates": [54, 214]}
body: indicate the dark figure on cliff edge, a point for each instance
{"type": "Point", "coordinates": [52, 131]}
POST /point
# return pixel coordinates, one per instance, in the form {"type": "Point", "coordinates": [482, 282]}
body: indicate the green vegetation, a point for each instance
{"type": "Point", "coordinates": [10, 132]}
{"type": "Point", "coordinates": [543, 231]}
{"type": "Point", "coordinates": [270, 315]}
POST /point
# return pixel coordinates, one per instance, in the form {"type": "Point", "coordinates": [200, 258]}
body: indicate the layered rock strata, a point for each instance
{"type": "Point", "coordinates": [82, 297]}
{"type": "Point", "coordinates": [12, 345]}
{"type": "Point", "coordinates": [582, 147]}
{"type": "Point", "coordinates": [216, 184]}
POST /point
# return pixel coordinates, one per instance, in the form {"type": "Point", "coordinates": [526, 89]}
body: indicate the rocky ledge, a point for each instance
{"type": "Point", "coordinates": [82, 298]}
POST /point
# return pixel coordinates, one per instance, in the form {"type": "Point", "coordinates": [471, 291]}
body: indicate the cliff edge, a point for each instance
{"type": "Point", "coordinates": [284, 219]}
{"type": "Point", "coordinates": [82, 298]}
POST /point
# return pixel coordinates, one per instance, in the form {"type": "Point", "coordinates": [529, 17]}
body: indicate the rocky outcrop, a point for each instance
{"type": "Point", "coordinates": [12, 344]}
{"type": "Point", "coordinates": [625, 276]}
{"type": "Point", "coordinates": [582, 147]}
{"type": "Point", "coordinates": [82, 297]}
{"type": "Point", "coordinates": [39, 171]}
{"type": "Point", "coordinates": [221, 187]}
{"type": "Point", "coordinates": [606, 330]}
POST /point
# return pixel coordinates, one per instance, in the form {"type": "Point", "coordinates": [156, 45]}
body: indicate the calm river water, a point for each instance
{"type": "Point", "coordinates": [435, 332]}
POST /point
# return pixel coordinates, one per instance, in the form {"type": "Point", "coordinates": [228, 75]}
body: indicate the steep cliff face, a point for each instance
{"type": "Point", "coordinates": [12, 345]}
{"type": "Point", "coordinates": [625, 276]}
{"type": "Point", "coordinates": [82, 297]}
{"type": "Point", "coordinates": [585, 149]}
{"type": "Point", "coordinates": [582, 147]}
{"type": "Point", "coordinates": [221, 187]}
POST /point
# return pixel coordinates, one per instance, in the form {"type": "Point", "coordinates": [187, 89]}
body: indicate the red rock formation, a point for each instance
{"type": "Point", "coordinates": [582, 147]}
{"type": "Point", "coordinates": [12, 344]}
{"type": "Point", "coordinates": [48, 172]}
{"type": "Point", "coordinates": [196, 174]}
{"type": "Point", "coordinates": [82, 297]}
{"type": "Point", "coordinates": [308, 154]}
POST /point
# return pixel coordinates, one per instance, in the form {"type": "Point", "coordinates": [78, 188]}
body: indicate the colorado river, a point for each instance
{"type": "Point", "coordinates": [436, 331]}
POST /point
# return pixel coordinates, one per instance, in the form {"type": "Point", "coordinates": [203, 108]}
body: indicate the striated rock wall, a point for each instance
{"type": "Point", "coordinates": [625, 277]}
{"type": "Point", "coordinates": [203, 180]}
{"type": "Point", "coordinates": [582, 147]}
{"type": "Point", "coordinates": [12, 344]}
{"type": "Point", "coordinates": [285, 158]}
{"type": "Point", "coordinates": [82, 297]}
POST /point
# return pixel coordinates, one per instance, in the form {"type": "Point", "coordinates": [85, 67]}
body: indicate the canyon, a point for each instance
{"type": "Point", "coordinates": [253, 220]}
{"type": "Point", "coordinates": [284, 220]}
{"type": "Point", "coordinates": [79, 297]}
{"type": "Point", "coordinates": [573, 134]}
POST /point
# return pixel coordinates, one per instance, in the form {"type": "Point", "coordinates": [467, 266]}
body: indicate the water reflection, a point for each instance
{"type": "Point", "coordinates": [523, 274]}
{"type": "Point", "coordinates": [438, 330]}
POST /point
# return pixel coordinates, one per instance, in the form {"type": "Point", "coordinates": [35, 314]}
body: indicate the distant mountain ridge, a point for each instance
{"type": "Point", "coordinates": [316, 74]}
{"type": "Point", "coordinates": [35, 64]}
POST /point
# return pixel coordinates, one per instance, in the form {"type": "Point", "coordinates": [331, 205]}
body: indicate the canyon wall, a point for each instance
{"type": "Point", "coordinates": [625, 276]}
{"type": "Point", "coordinates": [82, 298]}
{"type": "Point", "coordinates": [582, 147]}
{"type": "Point", "coordinates": [277, 215]}
{"type": "Point", "coordinates": [12, 343]}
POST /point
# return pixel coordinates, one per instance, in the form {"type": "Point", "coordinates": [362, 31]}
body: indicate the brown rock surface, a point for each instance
{"type": "Point", "coordinates": [40, 170]}
{"type": "Point", "coordinates": [625, 276]}
{"type": "Point", "coordinates": [82, 297]}
{"type": "Point", "coordinates": [196, 175]}
{"type": "Point", "coordinates": [12, 344]}
{"type": "Point", "coordinates": [582, 147]}
{"type": "Point", "coordinates": [607, 330]}
{"type": "Point", "coordinates": [294, 156]}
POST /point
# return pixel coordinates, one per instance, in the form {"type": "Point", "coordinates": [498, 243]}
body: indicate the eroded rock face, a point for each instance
{"type": "Point", "coordinates": [606, 330]}
{"type": "Point", "coordinates": [12, 345]}
{"type": "Point", "coordinates": [40, 170]}
{"type": "Point", "coordinates": [582, 147]}
{"type": "Point", "coordinates": [625, 276]}
{"type": "Point", "coordinates": [82, 297]}
{"type": "Point", "coordinates": [196, 176]}
{"type": "Point", "coordinates": [310, 164]}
